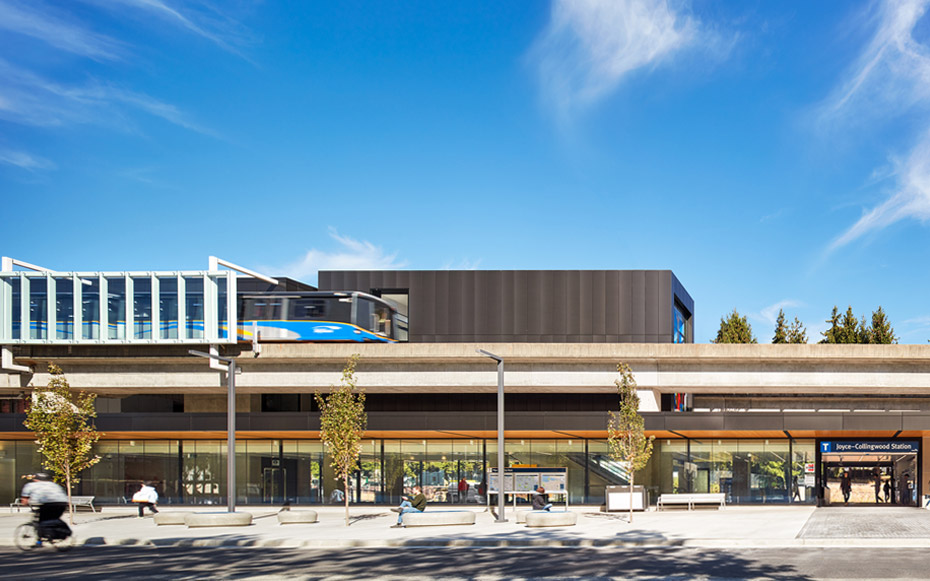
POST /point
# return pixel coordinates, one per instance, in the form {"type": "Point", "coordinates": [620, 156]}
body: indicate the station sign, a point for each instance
{"type": "Point", "coordinates": [870, 447]}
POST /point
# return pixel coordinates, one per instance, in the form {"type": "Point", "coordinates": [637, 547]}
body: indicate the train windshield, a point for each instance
{"type": "Point", "coordinates": [375, 316]}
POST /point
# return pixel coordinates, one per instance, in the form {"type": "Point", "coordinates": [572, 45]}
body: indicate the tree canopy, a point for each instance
{"type": "Point", "coordinates": [734, 329]}
{"type": "Point", "coordinates": [342, 424]}
{"type": "Point", "coordinates": [626, 436]}
{"type": "Point", "coordinates": [63, 425]}
{"type": "Point", "coordinates": [848, 329]}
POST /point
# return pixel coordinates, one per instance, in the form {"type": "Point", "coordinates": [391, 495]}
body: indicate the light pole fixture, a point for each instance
{"type": "Point", "coordinates": [230, 425]}
{"type": "Point", "coordinates": [500, 433]}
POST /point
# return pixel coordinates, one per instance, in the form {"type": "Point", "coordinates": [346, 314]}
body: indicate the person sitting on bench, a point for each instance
{"type": "Point", "coordinates": [415, 504]}
{"type": "Point", "coordinates": [541, 500]}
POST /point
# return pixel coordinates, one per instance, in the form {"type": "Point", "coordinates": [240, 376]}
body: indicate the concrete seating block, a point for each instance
{"type": "Point", "coordinates": [170, 518]}
{"type": "Point", "coordinates": [520, 516]}
{"type": "Point", "coordinates": [217, 519]}
{"type": "Point", "coordinates": [439, 518]}
{"type": "Point", "coordinates": [551, 519]}
{"type": "Point", "coordinates": [297, 517]}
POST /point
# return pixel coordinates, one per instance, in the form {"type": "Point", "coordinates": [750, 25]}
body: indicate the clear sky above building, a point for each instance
{"type": "Point", "coordinates": [772, 154]}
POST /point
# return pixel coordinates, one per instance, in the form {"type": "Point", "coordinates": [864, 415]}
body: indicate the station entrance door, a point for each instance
{"type": "Point", "coordinates": [872, 472]}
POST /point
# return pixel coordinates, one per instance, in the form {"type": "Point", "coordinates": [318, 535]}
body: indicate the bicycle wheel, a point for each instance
{"type": "Point", "coordinates": [26, 536]}
{"type": "Point", "coordinates": [63, 544]}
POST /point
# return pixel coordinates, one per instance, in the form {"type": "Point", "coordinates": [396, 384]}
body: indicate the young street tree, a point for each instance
{"type": "Point", "coordinates": [734, 329]}
{"type": "Point", "coordinates": [342, 424]}
{"type": "Point", "coordinates": [626, 436]}
{"type": "Point", "coordinates": [64, 429]}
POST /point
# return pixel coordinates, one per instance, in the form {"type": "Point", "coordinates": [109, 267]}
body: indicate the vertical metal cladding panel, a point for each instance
{"type": "Point", "coordinates": [470, 322]}
{"type": "Point", "coordinates": [507, 315]}
{"type": "Point", "coordinates": [638, 305]}
{"type": "Point", "coordinates": [665, 306]}
{"type": "Point", "coordinates": [652, 298]}
{"type": "Point", "coordinates": [425, 305]}
{"type": "Point", "coordinates": [624, 300]}
{"type": "Point", "coordinates": [519, 303]}
{"type": "Point", "coordinates": [599, 303]}
{"type": "Point", "coordinates": [585, 305]}
{"type": "Point", "coordinates": [489, 297]}
{"type": "Point", "coordinates": [555, 315]}
{"type": "Point", "coordinates": [456, 305]}
{"type": "Point", "coordinates": [573, 306]}
{"type": "Point", "coordinates": [444, 307]}
{"type": "Point", "coordinates": [534, 305]}
{"type": "Point", "coordinates": [614, 287]}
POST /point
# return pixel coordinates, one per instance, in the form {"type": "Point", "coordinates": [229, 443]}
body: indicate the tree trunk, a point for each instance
{"type": "Point", "coordinates": [346, 486]}
{"type": "Point", "coordinates": [68, 486]}
{"type": "Point", "coordinates": [632, 474]}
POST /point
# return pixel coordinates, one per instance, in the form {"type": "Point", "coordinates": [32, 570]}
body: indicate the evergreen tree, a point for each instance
{"type": "Point", "coordinates": [849, 328]}
{"type": "Point", "coordinates": [881, 330]}
{"type": "Point", "coordinates": [342, 424]}
{"type": "Point", "coordinates": [797, 333]}
{"type": "Point", "coordinates": [865, 332]}
{"type": "Point", "coordinates": [781, 332]}
{"type": "Point", "coordinates": [626, 435]}
{"type": "Point", "coordinates": [832, 333]}
{"type": "Point", "coordinates": [64, 429]}
{"type": "Point", "coordinates": [734, 329]}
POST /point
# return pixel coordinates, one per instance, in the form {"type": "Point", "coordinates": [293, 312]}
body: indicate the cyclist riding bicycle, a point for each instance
{"type": "Point", "coordinates": [51, 501]}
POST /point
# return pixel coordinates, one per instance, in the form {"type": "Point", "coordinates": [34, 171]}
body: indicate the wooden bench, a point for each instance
{"type": "Point", "coordinates": [88, 501]}
{"type": "Point", "coordinates": [717, 499]}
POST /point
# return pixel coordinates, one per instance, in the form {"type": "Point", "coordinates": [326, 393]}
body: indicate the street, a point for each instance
{"type": "Point", "coordinates": [461, 563]}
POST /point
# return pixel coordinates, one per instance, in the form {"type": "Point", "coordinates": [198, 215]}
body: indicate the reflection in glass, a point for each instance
{"type": "Point", "coordinates": [64, 308]}
{"type": "Point", "coordinates": [142, 310]}
{"type": "Point", "coordinates": [90, 309]}
{"type": "Point", "coordinates": [193, 289]}
{"type": "Point", "coordinates": [168, 308]}
{"type": "Point", "coordinates": [38, 308]}
{"type": "Point", "coordinates": [116, 308]}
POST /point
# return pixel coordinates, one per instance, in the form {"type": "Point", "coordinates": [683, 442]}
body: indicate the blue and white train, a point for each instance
{"type": "Point", "coordinates": [348, 316]}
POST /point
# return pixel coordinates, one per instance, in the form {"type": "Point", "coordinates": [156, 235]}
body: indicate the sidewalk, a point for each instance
{"type": "Point", "coordinates": [735, 526]}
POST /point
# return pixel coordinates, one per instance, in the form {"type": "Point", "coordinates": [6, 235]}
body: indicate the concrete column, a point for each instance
{"type": "Point", "coordinates": [924, 484]}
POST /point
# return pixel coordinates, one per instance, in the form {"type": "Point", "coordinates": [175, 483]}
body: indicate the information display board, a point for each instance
{"type": "Point", "coordinates": [523, 481]}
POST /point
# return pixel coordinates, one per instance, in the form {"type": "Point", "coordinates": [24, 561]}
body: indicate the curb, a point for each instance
{"type": "Point", "coordinates": [900, 543]}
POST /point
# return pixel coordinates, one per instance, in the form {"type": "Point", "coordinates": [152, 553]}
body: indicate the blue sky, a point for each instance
{"type": "Point", "coordinates": [772, 154]}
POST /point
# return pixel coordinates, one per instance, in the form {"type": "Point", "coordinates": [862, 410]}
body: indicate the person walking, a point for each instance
{"type": "Point", "coordinates": [463, 490]}
{"type": "Point", "coordinates": [146, 496]}
{"type": "Point", "coordinates": [846, 485]}
{"type": "Point", "coordinates": [887, 489]}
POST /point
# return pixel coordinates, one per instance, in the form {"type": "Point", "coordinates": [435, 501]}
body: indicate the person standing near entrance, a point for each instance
{"type": "Point", "coordinates": [904, 489]}
{"type": "Point", "coordinates": [846, 485]}
{"type": "Point", "coordinates": [877, 483]}
{"type": "Point", "coordinates": [887, 489]}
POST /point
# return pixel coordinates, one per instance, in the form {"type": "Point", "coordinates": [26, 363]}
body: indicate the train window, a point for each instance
{"type": "Point", "coordinates": [263, 309]}
{"type": "Point", "coordinates": [309, 309]}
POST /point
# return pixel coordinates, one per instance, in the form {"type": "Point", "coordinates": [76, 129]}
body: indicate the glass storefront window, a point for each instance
{"type": "Point", "coordinates": [16, 285]}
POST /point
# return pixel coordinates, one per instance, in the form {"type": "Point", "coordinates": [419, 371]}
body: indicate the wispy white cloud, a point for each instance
{"type": "Point", "coordinates": [770, 313]}
{"type": "Point", "coordinates": [24, 160]}
{"type": "Point", "coordinates": [29, 99]}
{"type": "Point", "coordinates": [35, 20]}
{"type": "Point", "coordinates": [890, 78]}
{"type": "Point", "coordinates": [590, 46]}
{"type": "Point", "coordinates": [204, 20]}
{"type": "Point", "coordinates": [352, 254]}
{"type": "Point", "coordinates": [909, 198]}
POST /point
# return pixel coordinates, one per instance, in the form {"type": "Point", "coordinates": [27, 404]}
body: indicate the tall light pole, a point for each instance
{"type": "Point", "coordinates": [500, 432]}
{"type": "Point", "coordinates": [230, 425]}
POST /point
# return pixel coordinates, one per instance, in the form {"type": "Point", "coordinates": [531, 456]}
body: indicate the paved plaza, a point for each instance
{"type": "Point", "coordinates": [735, 526]}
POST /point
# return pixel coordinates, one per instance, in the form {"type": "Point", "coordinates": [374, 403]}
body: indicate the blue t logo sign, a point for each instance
{"type": "Point", "coordinates": [825, 446]}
